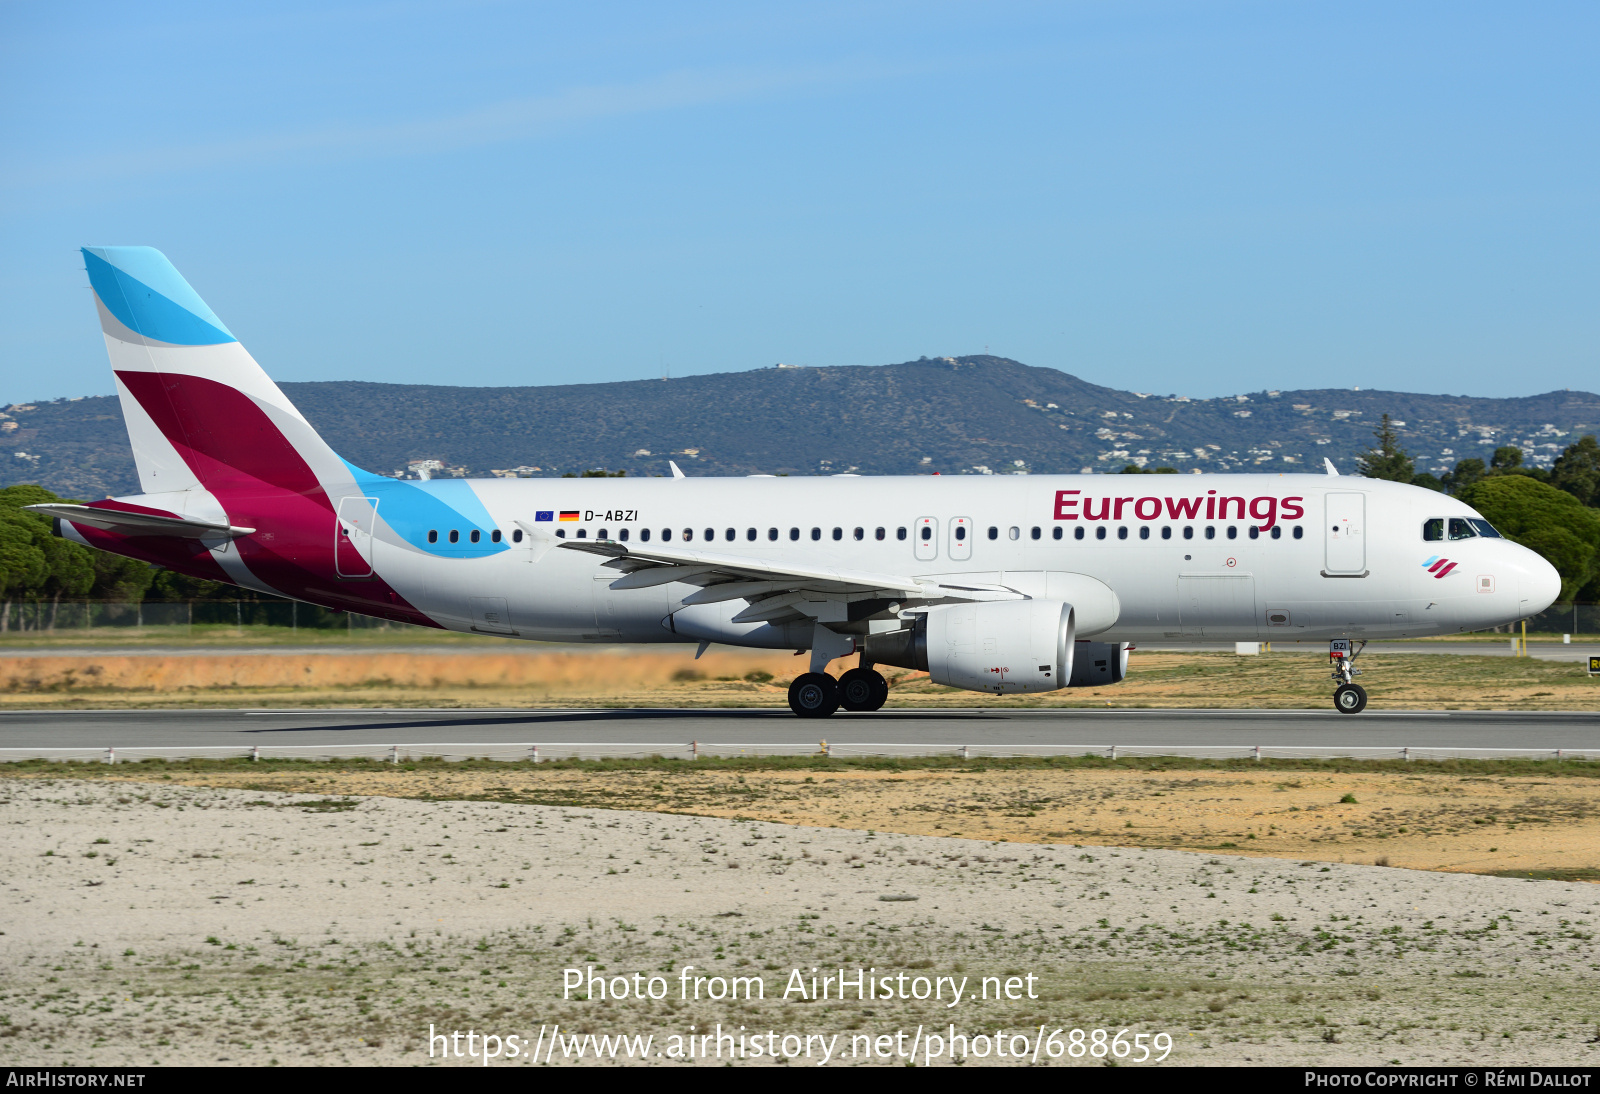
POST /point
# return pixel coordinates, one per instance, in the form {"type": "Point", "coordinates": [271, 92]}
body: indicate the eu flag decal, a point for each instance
{"type": "Point", "coordinates": [544, 514]}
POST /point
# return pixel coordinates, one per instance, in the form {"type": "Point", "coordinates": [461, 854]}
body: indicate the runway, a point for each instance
{"type": "Point", "coordinates": [513, 734]}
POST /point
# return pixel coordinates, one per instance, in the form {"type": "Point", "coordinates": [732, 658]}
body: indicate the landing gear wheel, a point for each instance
{"type": "Point", "coordinates": [1350, 699]}
{"type": "Point", "coordinates": [814, 695]}
{"type": "Point", "coordinates": [863, 689]}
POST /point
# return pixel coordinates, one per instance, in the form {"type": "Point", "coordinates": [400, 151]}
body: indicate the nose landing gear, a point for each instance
{"type": "Point", "coordinates": [1349, 697]}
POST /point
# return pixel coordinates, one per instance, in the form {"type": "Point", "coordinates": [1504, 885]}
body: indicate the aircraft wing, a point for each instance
{"type": "Point", "coordinates": [138, 524]}
{"type": "Point", "coordinates": [774, 590]}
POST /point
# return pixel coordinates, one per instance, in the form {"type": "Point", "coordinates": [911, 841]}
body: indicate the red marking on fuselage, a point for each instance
{"type": "Point", "coordinates": [251, 468]}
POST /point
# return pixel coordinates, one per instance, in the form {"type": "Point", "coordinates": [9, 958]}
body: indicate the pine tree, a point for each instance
{"type": "Point", "coordinates": [1387, 460]}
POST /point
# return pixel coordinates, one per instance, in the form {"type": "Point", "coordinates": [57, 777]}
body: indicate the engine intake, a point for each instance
{"type": "Point", "coordinates": [1003, 647]}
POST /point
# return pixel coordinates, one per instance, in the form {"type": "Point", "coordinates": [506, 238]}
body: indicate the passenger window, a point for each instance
{"type": "Point", "coordinates": [433, 535]}
{"type": "Point", "coordinates": [1077, 533]}
{"type": "Point", "coordinates": [750, 534]}
{"type": "Point", "coordinates": [583, 533]}
{"type": "Point", "coordinates": [561, 533]}
{"type": "Point", "coordinates": [1034, 532]}
{"type": "Point", "coordinates": [516, 537]}
{"type": "Point", "coordinates": [666, 535]}
{"type": "Point", "coordinates": [1233, 533]}
{"type": "Point", "coordinates": [1277, 532]}
{"type": "Point", "coordinates": [688, 534]}
{"type": "Point", "coordinates": [1166, 532]}
{"type": "Point", "coordinates": [927, 533]}
{"type": "Point", "coordinates": [1122, 532]}
{"type": "Point", "coordinates": [644, 535]}
{"type": "Point", "coordinates": [1144, 531]}
{"type": "Point", "coordinates": [622, 535]}
{"type": "Point", "coordinates": [772, 534]}
{"type": "Point", "coordinates": [816, 534]}
{"type": "Point", "coordinates": [838, 534]}
{"type": "Point", "coordinates": [900, 533]}
{"type": "Point", "coordinates": [494, 536]}
{"type": "Point", "coordinates": [1188, 531]}
{"type": "Point", "coordinates": [1255, 533]}
{"type": "Point", "coordinates": [1055, 533]}
{"type": "Point", "coordinates": [1461, 529]}
{"type": "Point", "coordinates": [1432, 529]}
{"type": "Point", "coordinates": [879, 534]}
{"type": "Point", "coordinates": [455, 536]}
{"type": "Point", "coordinates": [1014, 532]}
{"type": "Point", "coordinates": [794, 534]}
{"type": "Point", "coordinates": [1298, 531]}
{"type": "Point", "coordinates": [1486, 530]}
{"type": "Point", "coordinates": [601, 534]}
{"type": "Point", "coordinates": [1100, 532]}
{"type": "Point", "coordinates": [711, 535]}
{"type": "Point", "coordinates": [1211, 532]}
{"type": "Point", "coordinates": [475, 536]}
{"type": "Point", "coordinates": [731, 534]}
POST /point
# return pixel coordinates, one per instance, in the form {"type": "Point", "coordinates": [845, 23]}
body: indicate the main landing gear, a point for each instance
{"type": "Point", "coordinates": [817, 695]}
{"type": "Point", "coordinates": [1349, 697]}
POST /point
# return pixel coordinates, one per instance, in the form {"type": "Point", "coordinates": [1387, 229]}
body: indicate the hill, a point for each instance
{"type": "Point", "coordinates": [963, 415]}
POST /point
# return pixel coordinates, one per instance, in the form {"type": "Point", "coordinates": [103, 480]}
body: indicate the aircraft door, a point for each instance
{"type": "Point", "coordinates": [960, 538]}
{"type": "Point", "coordinates": [352, 537]}
{"type": "Point", "coordinates": [1345, 532]}
{"type": "Point", "coordinates": [925, 534]}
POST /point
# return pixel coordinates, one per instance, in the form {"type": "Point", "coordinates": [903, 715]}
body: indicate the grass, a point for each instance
{"type": "Point", "coordinates": [668, 676]}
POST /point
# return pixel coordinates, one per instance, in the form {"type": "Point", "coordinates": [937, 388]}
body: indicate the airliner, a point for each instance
{"type": "Point", "coordinates": [1005, 585]}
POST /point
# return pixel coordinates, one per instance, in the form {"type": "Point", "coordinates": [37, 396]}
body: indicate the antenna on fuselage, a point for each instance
{"type": "Point", "coordinates": [677, 472]}
{"type": "Point", "coordinates": [1332, 470]}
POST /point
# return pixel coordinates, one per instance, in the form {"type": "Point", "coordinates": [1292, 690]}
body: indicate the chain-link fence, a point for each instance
{"type": "Point", "coordinates": [67, 616]}
{"type": "Point", "coordinates": [34, 616]}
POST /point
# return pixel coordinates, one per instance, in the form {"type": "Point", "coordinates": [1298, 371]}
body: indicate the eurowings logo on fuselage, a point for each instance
{"type": "Point", "coordinates": [1438, 567]}
{"type": "Point", "coordinates": [1267, 511]}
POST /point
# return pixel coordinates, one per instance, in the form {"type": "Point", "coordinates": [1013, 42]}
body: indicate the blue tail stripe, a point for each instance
{"type": "Point", "coordinates": [148, 296]}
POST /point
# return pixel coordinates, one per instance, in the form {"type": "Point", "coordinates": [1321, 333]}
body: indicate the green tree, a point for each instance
{"type": "Point", "coordinates": [1386, 460]}
{"type": "Point", "coordinates": [1507, 460]}
{"type": "Point", "coordinates": [1577, 471]}
{"type": "Point", "coordinates": [1544, 519]}
{"type": "Point", "coordinates": [1429, 481]}
{"type": "Point", "coordinates": [1466, 473]}
{"type": "Point", "coordinates": [1135, 469]}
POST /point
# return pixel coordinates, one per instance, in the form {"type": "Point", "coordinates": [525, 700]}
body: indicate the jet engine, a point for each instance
{"type": "Point", "coordinates": [1097, 663]}
{"type": "Point", "coordinates": [1003, 647]}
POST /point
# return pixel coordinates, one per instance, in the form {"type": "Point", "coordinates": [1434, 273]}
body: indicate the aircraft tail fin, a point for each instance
{"type": "Point", "coordinates": [200, 412]}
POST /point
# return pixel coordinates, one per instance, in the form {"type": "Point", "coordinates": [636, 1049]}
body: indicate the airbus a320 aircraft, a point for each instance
{"type": "Point", "coordinates": [999, 585]}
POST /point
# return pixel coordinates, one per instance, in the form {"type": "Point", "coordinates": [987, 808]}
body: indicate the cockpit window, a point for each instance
{"type": "Point", "coordinates": [1461, 528]}
{"type": "Point", "coordinates": [1485, 529]}
{"type": "Point", "coordinates": [1433, 528]}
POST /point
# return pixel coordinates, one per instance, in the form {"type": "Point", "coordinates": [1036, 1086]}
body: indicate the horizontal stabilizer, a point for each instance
{"type": "Point", "coordinates": [138, 524]}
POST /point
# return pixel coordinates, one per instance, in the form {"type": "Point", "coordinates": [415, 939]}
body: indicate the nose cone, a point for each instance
{"type": "Point", "coordinates": [1539, 583]}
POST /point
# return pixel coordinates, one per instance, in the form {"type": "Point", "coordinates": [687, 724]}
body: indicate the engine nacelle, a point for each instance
{"type": "Point", "coordinates": [1003, 647]}
{"type": "Point", "coordinates": [1097, 663]}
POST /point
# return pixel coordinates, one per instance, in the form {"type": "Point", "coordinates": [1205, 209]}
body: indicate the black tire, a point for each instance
{"type": "Point", "coordinates": [814, 695]}
{"type": "Point", "coordinates": [1350, 699]}
{"type": "Point", "coordinates": [863, 689]}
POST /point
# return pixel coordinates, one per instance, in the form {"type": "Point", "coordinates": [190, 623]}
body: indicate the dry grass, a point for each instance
{"type": "Point", "coordinates": [1426, 818]}
{"type": "Point", "coordinates": [671, 677]}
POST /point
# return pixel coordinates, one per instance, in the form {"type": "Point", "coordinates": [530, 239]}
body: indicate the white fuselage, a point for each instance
{"type": "Point", "coordinates": [1349, 557]}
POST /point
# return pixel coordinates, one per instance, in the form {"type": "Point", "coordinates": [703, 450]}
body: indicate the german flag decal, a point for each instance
{"type": "Point", "coordinates": [569, 514]}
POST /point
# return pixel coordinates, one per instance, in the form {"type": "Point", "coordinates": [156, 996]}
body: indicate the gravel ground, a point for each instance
{"type": "Point", "coordinates": [149, 923]}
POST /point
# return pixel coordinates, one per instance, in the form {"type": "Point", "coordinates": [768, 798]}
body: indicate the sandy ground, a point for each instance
{"type": "Point", "coordinates": [671, 676]}
{"type": "Point", "coordinates": [1427, 819]}
{"type": "Point", "coordinates": [159, 922]}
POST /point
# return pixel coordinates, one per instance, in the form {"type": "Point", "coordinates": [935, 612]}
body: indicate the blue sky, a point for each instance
{"type": "Point", "coordinates": [1191, 198]}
